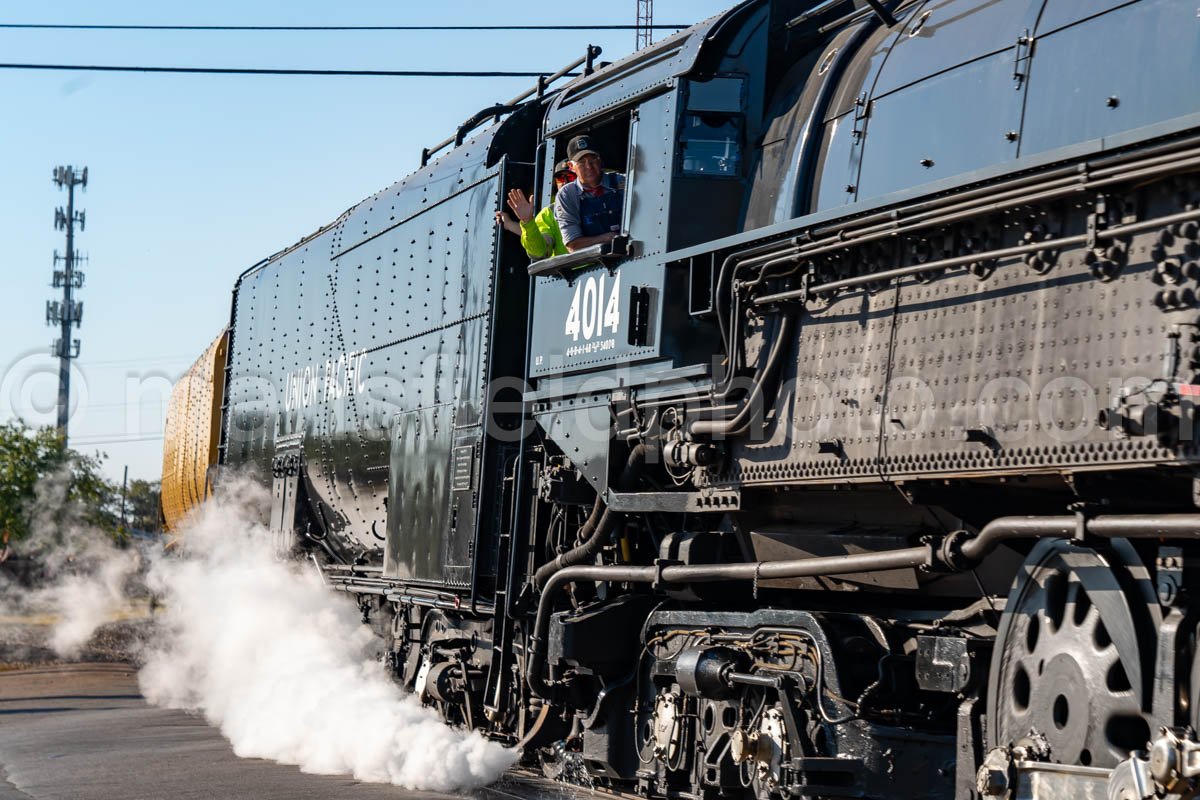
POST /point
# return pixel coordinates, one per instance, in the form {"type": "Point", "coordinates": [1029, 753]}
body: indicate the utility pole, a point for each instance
{"type": "Point", "coordinates": [68, 312]}
{"type": "Point", "coordinates": [124, 488]}
{"type": "Point", "coordinates": [645, 23]}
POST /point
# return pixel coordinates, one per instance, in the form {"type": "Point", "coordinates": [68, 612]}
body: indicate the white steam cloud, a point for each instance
{"type": "Point", "coordinates": [83, 580]}
{"type": "Point", "coordinates": [284, 668]}
{"type": "Point", "coordinates": [86, 601]}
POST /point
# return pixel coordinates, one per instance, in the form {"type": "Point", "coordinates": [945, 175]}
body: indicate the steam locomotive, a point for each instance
{"type": "Point", "coordinates": [861, 464]}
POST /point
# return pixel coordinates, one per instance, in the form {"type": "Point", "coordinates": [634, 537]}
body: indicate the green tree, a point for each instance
{"type": "Point", "coordinates": [143, 507]}
{"type": "Point", "coordinates": [44, 484]}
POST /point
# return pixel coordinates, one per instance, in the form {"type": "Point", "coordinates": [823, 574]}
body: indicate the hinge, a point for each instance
{"type": "Point", "coordinates": [1024, 52]}
{"type": "Point", "coordinates": [861, 112]}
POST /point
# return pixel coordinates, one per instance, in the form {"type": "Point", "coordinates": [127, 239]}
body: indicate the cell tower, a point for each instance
{"type": "Point", "coordinates": [68, 312]}
{"type": "Point", "coordinates": [645, 23]}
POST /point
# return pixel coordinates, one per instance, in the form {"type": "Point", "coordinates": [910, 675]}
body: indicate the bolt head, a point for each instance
{"type": "Point", "coordinates": [1164, 761]}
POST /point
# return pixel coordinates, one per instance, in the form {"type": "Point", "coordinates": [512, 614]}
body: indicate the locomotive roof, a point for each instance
{"type": "Point", "coordinates": [421, 189]}
{"type": "Point", "coordinates": [640, 73]}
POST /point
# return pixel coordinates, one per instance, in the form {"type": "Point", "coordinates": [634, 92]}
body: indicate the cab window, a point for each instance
{"type": "Point", "coordinates": [711, 131]}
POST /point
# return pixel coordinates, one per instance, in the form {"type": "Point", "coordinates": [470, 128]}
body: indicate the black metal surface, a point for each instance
{"type": "Point", "coordinates": [1069, 662]}
{"type": "Point", "coordinates": [945, 664]}
{"type": "Point", "coordinates": [559, 265]}
{"type": "Point", "coordinates": [1164, 32]}
{"type": "Point", "coordinates": [389, 392]}
{"type": "Point", "coordinates": [908, 411]}
{"type": "Point", "coordinates": [860, 410]}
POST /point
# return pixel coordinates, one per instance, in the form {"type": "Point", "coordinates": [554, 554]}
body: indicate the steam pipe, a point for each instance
{"type": "Point", "coordinates": [741, 259]}
{"type": "Point", "coordinates": [1054, 184]}
{"type": "Point", "coordinates": [958, 552]}
{"type": "Point", "coordinates": [1128, 526]}
{"type": "Point", "coordinates": [596, 530]}
{"type": "Point", "coordinates": [737, 423]}
{"type": "Point", "coordinates": [1115, 232]}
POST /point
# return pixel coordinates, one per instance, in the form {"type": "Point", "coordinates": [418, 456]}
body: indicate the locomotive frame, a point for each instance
{"type": "Point", "coordinates": [861, 464]}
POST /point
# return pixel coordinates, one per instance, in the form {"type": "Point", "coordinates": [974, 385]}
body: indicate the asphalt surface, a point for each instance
{"type": "Point", "coordinates": [84, 732]}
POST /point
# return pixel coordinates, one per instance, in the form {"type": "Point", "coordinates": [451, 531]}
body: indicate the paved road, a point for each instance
{"type": "Point", "coordinates": [83, 732]}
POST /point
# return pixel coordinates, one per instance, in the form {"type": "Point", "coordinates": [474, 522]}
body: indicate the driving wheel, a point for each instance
{"type": "Point", "coordinates": [1069, 666]}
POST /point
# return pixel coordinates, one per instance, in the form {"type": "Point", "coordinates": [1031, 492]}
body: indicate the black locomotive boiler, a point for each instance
{"type": "Point", "coordinates": [861, 464]}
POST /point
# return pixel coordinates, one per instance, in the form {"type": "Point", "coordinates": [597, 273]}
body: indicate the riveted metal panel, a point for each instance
{"type": "Point", "coordinates": [943, 34]}
{"type": "Point", "coordinates": [966, 361]}
{"type": "Point", "coordinates": [581, 427]}
{"type": "Point", "coordinates": [378, 320]}
{"type": "Point", "coordinates": [1115, 72]}
{"type": "Point", "coordinates": [467, 372]}
{"type": "Point", "coordinates": [648, 190]}
{"type": "Point", "coordinates": [1010, 369]}
{"type": "Point", "coordinates": [425, 189]}
{"type": "Point", "coordinates": [831, 404]}
{"type": "Point", "coordinates": [946, 125]}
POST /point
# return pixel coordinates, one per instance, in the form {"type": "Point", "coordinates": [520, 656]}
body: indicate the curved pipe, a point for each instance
{"type": "Point", "coordinates": [594, 536]}
{"type": "Point", "coordinates": [957, 552]}
{"type": "Point", "coordinates": [596, 530]}
{"type": "Point", "coordinates": [1127, 526]}
{"type": "Point", "coordinates": [535, 677]}
{"type": "Point", "coordinates": [738, 423]}
{"type": "Point", "coordinates": [585, 534]}
{"type": "Point", "coordinates": [751, 257]}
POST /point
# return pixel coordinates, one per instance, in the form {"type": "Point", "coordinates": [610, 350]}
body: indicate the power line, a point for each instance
{"type": "Point", "coordinates": [255, 71]}
{"type": "Point", "coordinates": [152, 360]}
{"type": "Point", "coordinates": [84, 441]}
{"type": "Point", "coordinates": [77, 27]}
{"type": "Point", "coordinates": [140, 404]}
{"type": "Point", "coordinates": [94, 438]}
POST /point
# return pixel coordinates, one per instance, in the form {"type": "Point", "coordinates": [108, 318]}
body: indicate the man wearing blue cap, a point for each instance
{"type": "Point", "coordinates": [589, 209]}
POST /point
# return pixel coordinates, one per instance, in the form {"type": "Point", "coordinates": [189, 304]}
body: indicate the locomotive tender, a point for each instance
{"type": "Point", "coordinates": [861, 464]}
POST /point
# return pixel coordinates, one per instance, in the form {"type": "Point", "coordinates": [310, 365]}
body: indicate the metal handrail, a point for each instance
{"type": "Point", "coordinates": [588, 62]}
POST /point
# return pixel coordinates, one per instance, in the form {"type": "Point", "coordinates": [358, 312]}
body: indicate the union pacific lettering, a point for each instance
{"type": "Point", "coordinates": [319, 383]}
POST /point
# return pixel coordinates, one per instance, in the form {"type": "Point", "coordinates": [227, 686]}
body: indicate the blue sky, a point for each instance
{"type": "Point", "coordinates": [192, 178]}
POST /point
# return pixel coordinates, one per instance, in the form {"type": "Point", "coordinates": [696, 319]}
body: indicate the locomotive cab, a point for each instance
{"type": "Point", "coordinates": [677, 118]}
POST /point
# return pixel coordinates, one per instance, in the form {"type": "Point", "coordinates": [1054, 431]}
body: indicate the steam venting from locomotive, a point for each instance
{"type": "Point", "coordinates": [285, 669]}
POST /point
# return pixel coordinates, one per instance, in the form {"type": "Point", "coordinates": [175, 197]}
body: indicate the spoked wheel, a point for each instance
{"type": "Point", "coordinates": [1069, 665]}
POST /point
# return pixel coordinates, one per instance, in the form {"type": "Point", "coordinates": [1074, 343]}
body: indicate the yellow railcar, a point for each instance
{"type": "Point", "coordinates": [193, 433]}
